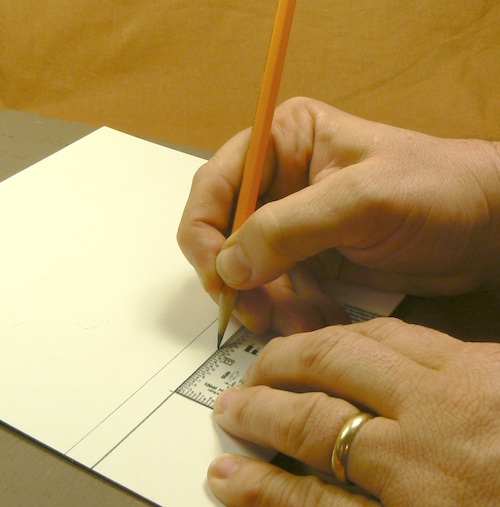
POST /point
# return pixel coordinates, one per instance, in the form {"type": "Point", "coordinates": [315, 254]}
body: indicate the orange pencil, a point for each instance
{"type": "Point", "coordinates": [259, 140]}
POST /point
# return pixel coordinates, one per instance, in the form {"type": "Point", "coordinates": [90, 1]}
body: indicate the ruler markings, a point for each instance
{"type": "Point", "coordinates": [223, 369]}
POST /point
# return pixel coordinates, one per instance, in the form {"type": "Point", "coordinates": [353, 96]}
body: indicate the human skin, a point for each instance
{"type": "Point", "coordinates": [366, 203]}
{"type": "Point", "coordinates": [344, 198]}
{"type": "Point", "coordinates": [435, 440]}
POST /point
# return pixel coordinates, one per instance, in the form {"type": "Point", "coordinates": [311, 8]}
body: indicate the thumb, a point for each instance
{"type": "Point", "coordinates": [284, 232]}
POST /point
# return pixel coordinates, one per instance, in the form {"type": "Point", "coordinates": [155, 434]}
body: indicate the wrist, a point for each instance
{"type": "Point", "coordinates": [481, 159]}
{"type": "Point", "coordinates": [491, 150]}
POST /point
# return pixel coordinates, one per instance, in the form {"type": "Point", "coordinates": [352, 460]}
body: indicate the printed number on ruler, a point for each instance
{"type": "Point", "coordinates": [225, 368]}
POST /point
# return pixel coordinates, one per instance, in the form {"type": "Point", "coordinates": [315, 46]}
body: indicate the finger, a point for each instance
{"type": "Point", "coordinates": [315, 145]}
{"type": "Point", "coordinates": [306, 286]}
{"type": "Point", "coordinates": [238, 481]}
{"type": "Point", "coordinates": [207, 214]}
{"type": "Point", "coordinates": [288, 305]}
{"type": "Point", "coordinates": [284, 232]}
{"type": "Point", "coordinates": [339, 211]}
{"type": "Point", "coordinates": [322, 139]}
{"type": "Point", "coordinates": [304, 426]}
{"type": "Point", "coordinates": [298, 308]}
{"type": "Point", "coordinates": [341, 361]}
{"type": "Point", "coordinates": [207, 217]}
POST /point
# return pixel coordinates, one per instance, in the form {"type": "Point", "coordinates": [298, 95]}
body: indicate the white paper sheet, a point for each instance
{"type": "Point", "coordinates": [100, 314]}
{"type": "Point", "coordinates": [101, 317]}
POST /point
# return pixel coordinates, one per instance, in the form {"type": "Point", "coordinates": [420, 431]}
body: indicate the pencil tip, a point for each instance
{"type": "Point", "coordinates": [227, 300]}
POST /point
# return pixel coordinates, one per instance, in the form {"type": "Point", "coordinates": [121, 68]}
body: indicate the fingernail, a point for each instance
{"type": "Point", "coordinates": [232, 265]}
{"type": "Point", "coordinates": [225, 399]}
{"type": "Point", "coordinates": [223, 466]}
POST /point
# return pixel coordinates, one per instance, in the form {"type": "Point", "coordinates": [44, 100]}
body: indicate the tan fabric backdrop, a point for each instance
{"type": "Point", "coordinates": [188, 71]}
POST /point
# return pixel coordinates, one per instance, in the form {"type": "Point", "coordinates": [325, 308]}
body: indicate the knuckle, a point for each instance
{"type": "Point", "coordinates": [182, 235]}
{"type": "Point", "coordinates": [264, 365]}
{"type": "Point", "coordinates": [387, 326]}
{"type": "Point", "coordinates": [317, 347]}
{"type": "Point", "coordinates": [281, 489]}
{"type": "Point", "coordinates": [204, 176]}
{"type": "Point", "coordinates": [273, 236]}
{"type": "Point", "coordinates": [307, 424]}
{"type": "Point", "coordinates": [242, 410]}
{"type": "Point", "coordinates": [251, 494]}
{"type": "Point", "coordinates": [281, 233]}
{"type": "Point", "coordinates": [297, 101]}
{"type": "Point", "coordinates": [294, 104]}
{"type": "Point", "coordinates": [300, 492]}
{"type": "Point", "coordinates": [312, 492]}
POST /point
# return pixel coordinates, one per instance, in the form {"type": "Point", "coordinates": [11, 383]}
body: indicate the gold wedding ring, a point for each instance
{"type": "Point", "coordinates": [343, 444]}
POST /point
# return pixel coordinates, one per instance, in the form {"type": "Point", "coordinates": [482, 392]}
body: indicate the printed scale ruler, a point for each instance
{"type": "Point", "coordinates": [223, 369]}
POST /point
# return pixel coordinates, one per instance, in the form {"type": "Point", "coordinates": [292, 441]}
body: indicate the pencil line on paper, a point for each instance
{"type": "Point", "coordinates": [132, 431]}
{"type": "Point", "coordinates": [124, 402]}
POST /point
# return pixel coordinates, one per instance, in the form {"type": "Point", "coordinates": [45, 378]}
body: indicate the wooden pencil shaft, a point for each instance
{"type": "Point", "coordinates": [259, 140]}
{"type": "Point", "coordinates": [261, 132]}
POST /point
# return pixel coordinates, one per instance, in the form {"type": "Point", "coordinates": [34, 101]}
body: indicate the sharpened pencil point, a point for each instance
{"type": "Point", "coordinates": [227, 300]}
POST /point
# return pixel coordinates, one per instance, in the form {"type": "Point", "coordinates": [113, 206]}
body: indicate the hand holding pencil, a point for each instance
{"type": "Point", "coordinates": [333, 210]}
{"type": "Point", "coordinates": [336, 191]}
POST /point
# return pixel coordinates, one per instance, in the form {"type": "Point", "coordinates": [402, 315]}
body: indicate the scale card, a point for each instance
{"type": "Point", "coordinates": [223, 369]}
